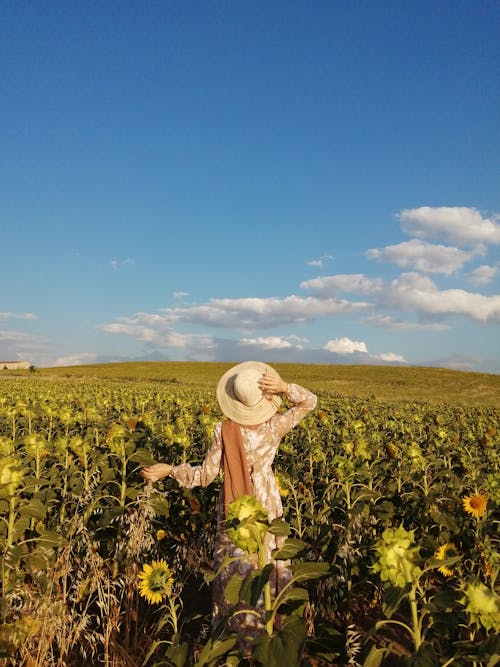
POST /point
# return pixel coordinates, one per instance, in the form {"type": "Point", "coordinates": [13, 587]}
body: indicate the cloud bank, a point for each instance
{"type": "Point", "coordinates": [428, 292]}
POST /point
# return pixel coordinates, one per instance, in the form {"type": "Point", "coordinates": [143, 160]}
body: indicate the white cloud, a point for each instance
{"type": "Point", "coordinates": [391, 357]}
{"type": "Point", "coordinates": [118, 264]}
{"type": "Point", "coordinates": [483, 274]}
{"type": "Point", "coordinates": [389, 322]}
{"type": "Point", "coordinates": [150, 329]}
{"type": "Point", "coordinates": [425, 257]}
{"type": "Point", "coordinates": [77, 359]}
{"type": "Point", "coordinates": [17, 316]}
{"type": "Point", "coordinates": [268, 342]}
{"type": "Point", "coordinates": [345, 346]}
{"type": "Point", "coordinates": [419, 294]}
{"type": "Point", "coordinates": [180, 295]}
{"type": "Point", "coordinates": [16, 337]}
{"type": "Point", "coordinates": [253, 313]}
{"type": "Point", "coordinates": [319, 263]}
{"type": "Point", "coordinates": [415, 293]}
{"type": "Point", "coordinates": [458, 224]}
{"type": "Point", "coordinates": [352, 283]}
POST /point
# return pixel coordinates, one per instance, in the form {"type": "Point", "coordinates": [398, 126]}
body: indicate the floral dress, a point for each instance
{"type": "Point", "coordinates": [261, 444]}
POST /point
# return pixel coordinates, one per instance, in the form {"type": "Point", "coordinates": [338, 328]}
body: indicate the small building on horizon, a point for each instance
{"type": "Point", "coordinates": [14, 365]}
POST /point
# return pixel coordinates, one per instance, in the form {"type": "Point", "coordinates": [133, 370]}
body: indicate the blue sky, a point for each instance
{"type": "Point", "coordinates": [287, 181]}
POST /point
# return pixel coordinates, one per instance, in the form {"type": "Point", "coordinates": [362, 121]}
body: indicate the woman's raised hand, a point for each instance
{"type": "Point", "coordinates": [156, 471]}
{"type": "Point", "coordinates": [269, 384]}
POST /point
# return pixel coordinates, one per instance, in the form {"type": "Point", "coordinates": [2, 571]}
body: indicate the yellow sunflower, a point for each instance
{"type": "Point", "coordinates": [155, 581]}
{"type": "Point", "coordinates": [475, 504]}
{"type": "Point", "coordinates": [161, 534]}
{"type": "Point", "coordinates": [444, 552]}
{"type": "Point", "coordinates": [282, 484]}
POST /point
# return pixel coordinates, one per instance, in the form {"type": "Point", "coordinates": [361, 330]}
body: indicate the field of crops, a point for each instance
{"type": "Point", "coordinates": [391, 507]}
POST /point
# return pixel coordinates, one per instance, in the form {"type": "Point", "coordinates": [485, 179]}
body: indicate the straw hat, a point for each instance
{"type": "Point", "coordinates": [240, 397]}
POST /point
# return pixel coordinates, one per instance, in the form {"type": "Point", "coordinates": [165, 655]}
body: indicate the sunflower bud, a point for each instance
{"type": "Point", "coordinates": [398, 559]}
{"type": "Point", "coordinates": [482, 604]}
{"type": "Point", "coordinates": [247, 523]}
{"type": "Point", "coordinates": [11, 475]}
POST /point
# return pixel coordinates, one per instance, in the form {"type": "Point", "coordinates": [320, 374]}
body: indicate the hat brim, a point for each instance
{"type": "Point", "coordinates": [235, 409]}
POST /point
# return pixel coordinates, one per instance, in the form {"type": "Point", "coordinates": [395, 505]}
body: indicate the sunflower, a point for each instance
{"type": "Point", "coordinates": [161, 534]}
{"type": "Point", "coordinates": [475, 504]}
{"type": "Point", "coordinates": [155, 581]}
{"type": "Point", "coordinates": [444, 552]}
{"type": "Point", "coordinates": [483, 605]}
{"type": "Point", "coordinates": [282, 484]}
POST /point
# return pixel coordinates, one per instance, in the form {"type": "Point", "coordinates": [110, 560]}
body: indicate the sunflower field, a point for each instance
{"type": "Point", "coordinates": [391, 513]}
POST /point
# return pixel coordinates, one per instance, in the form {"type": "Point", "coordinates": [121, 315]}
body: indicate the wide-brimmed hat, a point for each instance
{"type": "Point", "coordinates": [240, 397]}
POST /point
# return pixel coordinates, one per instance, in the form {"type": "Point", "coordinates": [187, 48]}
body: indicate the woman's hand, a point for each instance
{"type": "Point", "coordinates": [156, 471]}
{"type": "Point", "coordinates": [270, 384]}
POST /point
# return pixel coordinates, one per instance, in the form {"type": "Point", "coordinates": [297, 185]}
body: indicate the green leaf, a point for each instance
{"type": "Point", "coordinates": [48, 539]}
{"type": "Point", "coordinates": [393, 597]}
{"type": "Point", "coordinates": [293, 601]}
{"type": "Point", "coordinates": [142, 456]}
{"type": "Point", "coordinates": [425, 657]}
{"type": "Point", "coordinates": [233, 587]}
{"type": "Point", "coordinates": [283, 648]}
{"type": "Point", "coordinates": [375, 657]}
{"type": "Point", "coordinates": [445, 520]}
{"type": "Point", "coordinates": [34, 508]}
{"type": "Point", "coordinates": [328, 643]}
{"type": "Point", "coordinates": [291, 549]}
{"type": "Point", "coordinates": [308, 571]}
{"type": "Point", "coordinates": [254, 583]}
{"type": "Point", "coordinates": [20, 527]}
{"type": "Point", "coordinates": [215, 649]}
{"type": "Point", "coordinates": [279, 527]}
{"type": "Point", "coordinates": [37, 561]}
{"type": "Point", "coordinates": [295, 594]}
{"type": "Point", "coordinates": [435, 563]}
{"type": "Point", "coordinates": [160, 505]}
{"type": "Point", "coordinates": [177, 654]}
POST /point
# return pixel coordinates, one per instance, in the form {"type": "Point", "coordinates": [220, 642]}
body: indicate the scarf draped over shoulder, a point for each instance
{"type": "Point", "coordinates": [237, 480]}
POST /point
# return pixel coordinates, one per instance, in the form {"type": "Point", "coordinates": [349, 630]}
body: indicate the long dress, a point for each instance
{"type": "Point", "coordinates": [261, 444]}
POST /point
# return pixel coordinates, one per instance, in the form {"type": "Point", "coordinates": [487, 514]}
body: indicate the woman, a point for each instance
{"type": "Point", "coordinates": [244, 446]}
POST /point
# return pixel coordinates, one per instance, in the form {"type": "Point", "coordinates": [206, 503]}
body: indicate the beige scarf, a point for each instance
{"type": "Point", "coordinates": [237, 481]}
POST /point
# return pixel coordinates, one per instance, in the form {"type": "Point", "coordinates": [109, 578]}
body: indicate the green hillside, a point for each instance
{"type": "Point", "coordinates": [382, 382]}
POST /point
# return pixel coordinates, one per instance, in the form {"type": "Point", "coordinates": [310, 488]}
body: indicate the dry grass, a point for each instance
{"type": "Point", "coordinates": [390, 383]}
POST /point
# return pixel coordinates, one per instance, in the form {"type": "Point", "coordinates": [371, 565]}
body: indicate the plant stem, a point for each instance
{"type": "Point", "coordinates": [417, 639]}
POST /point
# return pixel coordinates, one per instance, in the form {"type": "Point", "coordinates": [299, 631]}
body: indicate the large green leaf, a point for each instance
{"type": "Point", "coordinates": [232, 589]}
{"type": "Point", "coordinates": [34, 508]}
{"type": "Point", "coordinates": [426, 656]}
{"type": "Point", "coordinates": [38, 560]}
{"type": "Point", "coordinates": [253, 584]}
{"type": "Point", "coordinates": [48, 539]}
{"type": "Point", "coordinates": [20, 527]}
{"type": "Point", "coordinates": [393, 597]}
{"type": "Point", "coordinates": [177, 654]}
{"type": "Point", "coordinates": [160, 505]}
{"type": "Point", "coordinates": [279, 527]}
{"type": "Point", "coordinates": [142, 456]}
{"type": "Point", "coordinates": [328, 644]}
{"type": "Point", "coordinates": [293, 601]}
{"type": "Point", "coordinates": [375, 657]}
{"type": "Point", "coordinates": [283, 648]}
{"type": "Point", "coordinates": [308, 571]}
{"type": "Point", "coordinates": [215, 649]}
{"type": "Point", "coordinates": [291, 549]}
